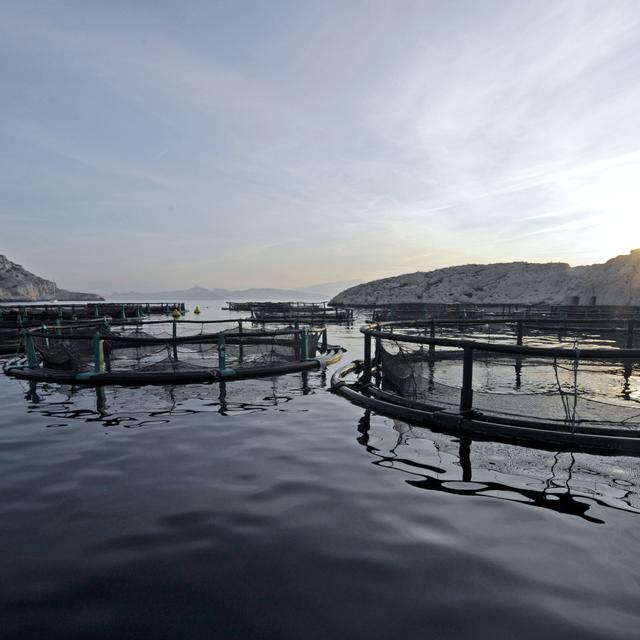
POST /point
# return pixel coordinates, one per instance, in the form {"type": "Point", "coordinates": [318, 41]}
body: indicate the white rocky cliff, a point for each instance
{"type": "Point", "coordinates": [18, 284]}
{"type": "Point", "coordinates": [616, 282]}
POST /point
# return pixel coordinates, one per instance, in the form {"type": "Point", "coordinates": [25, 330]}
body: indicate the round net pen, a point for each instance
{"type": "Point", "coordinates": [169, 352]}
{"type": "Point", "coordinates": [559, 386]}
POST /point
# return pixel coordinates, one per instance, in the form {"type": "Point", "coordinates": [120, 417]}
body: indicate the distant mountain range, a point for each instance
{"type": "Point", "coordinates": [313, 293]}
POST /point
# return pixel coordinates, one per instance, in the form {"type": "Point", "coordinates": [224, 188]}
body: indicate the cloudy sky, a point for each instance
{"type": "Point", "coordinates": [159, 144]}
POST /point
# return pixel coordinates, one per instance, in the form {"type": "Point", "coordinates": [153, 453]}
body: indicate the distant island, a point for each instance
{"type": "Point", "coordinates": [311, 293]}
{"type": "Point", "coordinates": [616, 282]}
{"type": "Point", "coordinates": [19, 285]}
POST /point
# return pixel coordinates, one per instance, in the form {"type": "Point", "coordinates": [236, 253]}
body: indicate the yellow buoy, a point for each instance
{"type": "Point", "coordinates": [176, 314]}
{"type": "Point", "coordinates": [196, 310]}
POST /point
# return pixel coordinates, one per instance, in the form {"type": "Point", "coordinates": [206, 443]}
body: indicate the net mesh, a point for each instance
{"type": "Point", "coordinates": [154, 348]}
{"type": "Point", "coordinates": [546, 389]}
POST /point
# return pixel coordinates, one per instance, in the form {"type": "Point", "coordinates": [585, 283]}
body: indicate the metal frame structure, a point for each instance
{"type": "Point", "coordinates": [366, 391]}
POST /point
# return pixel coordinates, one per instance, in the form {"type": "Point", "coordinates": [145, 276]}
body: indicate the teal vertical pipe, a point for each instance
{"type": "Point", "coordinates": [304, 344]}
{"type": "Point", "coordinates": [46, 340]}
{"type": "Point", "coordinates": [98, 353]}
{"type": "Point", "coordinates": [30, 350]}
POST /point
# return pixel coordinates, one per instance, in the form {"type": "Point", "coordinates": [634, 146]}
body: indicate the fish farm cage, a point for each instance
{"type": "Point", "coordinates": [168, 352]}
{"type": "Point", "coordinates": [422, 311]}
{"type": "Point", "coordinates": [569, 384]}
{"type": "Point", "coordinates": [292, 311]}
{"type": "Point", "coordinates": [86, 310]}
{"type": "Point", "coordinates": [14, 319]}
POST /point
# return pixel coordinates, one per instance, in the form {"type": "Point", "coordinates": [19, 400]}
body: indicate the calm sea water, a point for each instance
{"type": "Point", "coordinates": [274, 509]}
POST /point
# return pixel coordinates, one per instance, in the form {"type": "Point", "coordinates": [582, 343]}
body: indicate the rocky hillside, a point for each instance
{"type": "Point", "coordinates": [18, 284]}
{"type": "Point", "coordinates": [617, 281]}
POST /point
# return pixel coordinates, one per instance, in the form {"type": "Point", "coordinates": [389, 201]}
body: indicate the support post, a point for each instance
{"type": "Point", "coordinates": [378, 362]}
{"type": "Point", "coordinates": [304, 344]}
{"type": "Point", "coordinates": [466, 393]}
{"type": "Point", "coordinates": [366, 374]}
{"type": "Point", "coordinates": [175, 335]}
{"type": "Point", "coordinates": [520, 332]}
{"type": "Point", "coordinates": [432, 334]}
{"type": "Point", "coordinates": [98, 353]}
{"type": "Point", "coordinates": [222, 354]}
{"type": "Point", "coordinates": [30, 350]}
{"type": "Point", "coordinates": [46, 340]}
{"type": "Point", "coordinates": [325, 341]}
{"type": "Point", "coordinates": [240, 345]}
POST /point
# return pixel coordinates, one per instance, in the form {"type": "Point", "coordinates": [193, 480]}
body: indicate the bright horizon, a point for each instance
{"type": "Point", "coordinates": [150, 147]}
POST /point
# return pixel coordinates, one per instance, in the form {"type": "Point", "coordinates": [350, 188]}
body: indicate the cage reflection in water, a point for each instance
{"type": "Point", "coordinates": [566, 482]}
{"type": "Point", "coordinates": [131, 407]}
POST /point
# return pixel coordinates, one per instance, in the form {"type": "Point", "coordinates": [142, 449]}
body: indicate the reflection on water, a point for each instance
{"type": "Point", "coordinates": [248, 510]}
{"type": "Point", "coordinates": [130, 406]}
{"type": "Point", "coordinates": [569, 483]}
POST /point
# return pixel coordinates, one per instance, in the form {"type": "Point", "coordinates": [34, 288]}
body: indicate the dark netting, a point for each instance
{"type": "Point", "coordinates": [67, 348]}
{"type": "Point", "coordinates": [547, 389]}
{"type": "Point", "coordinates": [173, 347]}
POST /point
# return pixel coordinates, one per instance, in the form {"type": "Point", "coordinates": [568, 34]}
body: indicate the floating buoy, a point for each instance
{"type": "Point", "coordinates": [176, 314]}
{"type": "Point", "coordinates": [196, 310]}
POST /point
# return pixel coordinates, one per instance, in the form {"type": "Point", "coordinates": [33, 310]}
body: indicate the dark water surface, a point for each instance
{"type": "Point", "coordinates": [278, 510]}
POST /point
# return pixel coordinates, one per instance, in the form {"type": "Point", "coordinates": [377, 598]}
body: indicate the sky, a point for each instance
{"type": "Point", "coordinates": [160, 145]}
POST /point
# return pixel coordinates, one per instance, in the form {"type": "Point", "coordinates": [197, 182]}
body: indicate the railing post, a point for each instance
{"type": "Point", "coordinates": [98, 353]}
{"type": "Point", "coordinates": [30, 350]}
{"type": "Point", "coordinates": [366, 374]}
{"type": "Point", "coordinates": [46, 340]}
{"type": "Point", "coordinates": [466, 393]}
{"type": "Point", "coordinates": [240, 345]}
{"type": "Point", "coordinates": [432, 334]}
{"type": "Point", "coordinates": [325, 341]}
{"type": "Point", "coordinates": [378, 361]}
{"type": "Point", "coordinates": [520, 332]}
{"type": "Point", "coordinates": [222, 355]}
{"type": "Point", "coordinates": [304, 340]}
{"type": "Point", "coordinates": [175, 335]}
